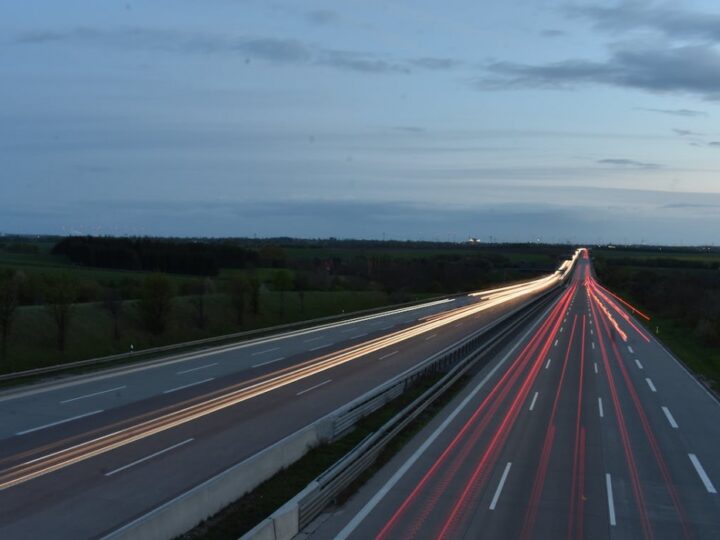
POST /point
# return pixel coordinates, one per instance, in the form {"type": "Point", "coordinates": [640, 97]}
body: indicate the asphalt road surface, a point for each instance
{"type": "Point", "coordinates": [585, 428]}
{"type": "Point", "coordinates": [69, 467]}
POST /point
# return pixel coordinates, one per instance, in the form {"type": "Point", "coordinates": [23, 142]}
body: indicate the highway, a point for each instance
{"type": "Point", "coordinates": [586, 427]}
{"type": "Point", "coordinates": [84, 455]}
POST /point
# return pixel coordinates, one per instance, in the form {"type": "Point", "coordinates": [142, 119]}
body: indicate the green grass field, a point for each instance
{"type": "Point", "coordinates": [90, 333]}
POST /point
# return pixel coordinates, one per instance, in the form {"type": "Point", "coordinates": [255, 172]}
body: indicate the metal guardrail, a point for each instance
{"type": "Point", "coordinates": [329, 485]}
{"type": "Point", "coordinates": [188, 346]}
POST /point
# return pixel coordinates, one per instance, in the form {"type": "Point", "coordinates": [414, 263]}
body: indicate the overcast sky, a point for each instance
{"type": "Point", "coordinates": [565, 121]}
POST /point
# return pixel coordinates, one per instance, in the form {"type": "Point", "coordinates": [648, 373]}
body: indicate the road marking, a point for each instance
{"type": "Point", "coordinates": [458, 325]}
{"type": "Point", "coordinates": [650, 384]}
{"type": "Point", "coordinates": [639, 365]}
{"type": "Point", "coordinates": [430, 336]}
{"type": "Point", "coordinates": [58, 422]}
{"type": "Point", "coordinates": [495, 498]}
{"type": "Point", "coordinates": [312, 339]}
{"type": "Point", "coordinates": [702, 474]}
{"type": "Point", "coordinates": [188, 385]}
{"type": "Point", "coordinates": [534, 399]}
{"type": "Point", "coordinates": [631, 350]}
{"type": "Point", "coordinates": [268, 350]}
{"type": "Point", "coordinates": [196, 368]}
{"type": "Point", "coordinates": [593, 345]}
{"type": "Point", "coordinates": [600, 408]}
{"type": "Point", "coordinates": [313, 387]}
{"type": "Point", "coordinates": [94, 394]}
{"type": "Point", "coordinates": [320, 347]}
{"type": "Point", "coordinates": [591, 332]}
{"type": "Point", "coordinates": [387, 327]}
{"type": "Point", "coordinates": [611, 501]}
{"type": "Point", "coordinates": [173, 447]}
{"type": "Point", "coordinates": [595, 366]}
{"type": "Point", "coordinates": [269, 362]}
{"type": "Point", "coordinates": [395, 478]}
{"type": "Point", "coordinates": [547, 364]}
{"type": "Point", "coordinates": [358, 336]}
{"type": "Point", "coordinates": [555, 344]}
{"type": "Point", "coordinates": [388, 355]}
{"type": "Point", "coordinates": [669, 417]}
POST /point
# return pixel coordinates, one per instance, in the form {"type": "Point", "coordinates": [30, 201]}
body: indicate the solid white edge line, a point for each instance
{"type": "Point", "coordinates": [78, 417]}
{"type": "Point", "coordinates": [139, 461]}
{"type": "Point", "coordinates": [638, 363]}
{"type": "Point", "coordinates": [650, 384]}
{"type": "Point", "coordinates": [495, 498]}
{"type": "Point", "coordinates": [669, 417]}
{"type": "Point", "coordinates": [388, 355]}
{"type": "Point", "coordinates": [600, 408]}
{"type": "Point", "coordinates": [94, 394]}
{"type": "Point", "coordinates": [313, 387]}
{"type": "Point", "coordinates": [183, 372]}
{"type": "Point", "coordinates": [187, 385]}
{"type": "Point", "coordinates": [702, 474]}
{"type": "Point", "coordinates": [268, 362]}
{"type": "Point", "coordinates": [532, 403]}
{"type": "Point", "coordinates": [611, 501]}
{"type": "Point", "coordinates": [395, 478]}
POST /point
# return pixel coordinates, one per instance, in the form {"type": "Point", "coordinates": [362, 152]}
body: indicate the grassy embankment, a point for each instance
{"type": "Point", "coordinates": [675, 321]}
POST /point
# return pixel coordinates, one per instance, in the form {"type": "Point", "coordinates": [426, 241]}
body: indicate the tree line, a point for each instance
{"type": "Point", "coordinates": [155, 255]}
{"type": "Point", "coordinates": [155, 306]}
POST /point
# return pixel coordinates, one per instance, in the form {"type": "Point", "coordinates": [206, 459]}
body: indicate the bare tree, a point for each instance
{"type": "Point", "coordinates": [156, 303]}
{"type": "Point", "coordinates": [254, 284]}
{"type": "Point", "coordinates": [112, 302]}
{"type": "Point", "coordinates": [282, 281]}
{"type": "Point", "coordinates": [8, 307]}
{"type": "Point", "coordinates": [59, 299]}
{"type": "Point", "coordinates": [199, 303]}
{"type": "Point", "coordinates": [238, 291]}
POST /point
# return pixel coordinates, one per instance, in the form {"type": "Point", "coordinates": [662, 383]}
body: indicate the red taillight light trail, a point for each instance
{"type": "Point", "coordinates": [475, 425]}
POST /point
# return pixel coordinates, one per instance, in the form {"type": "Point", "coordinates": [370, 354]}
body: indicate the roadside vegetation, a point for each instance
{"type": "Point", "coordinates": [67, 299]}
{"type": "Point", "coordinates": [680, 290]}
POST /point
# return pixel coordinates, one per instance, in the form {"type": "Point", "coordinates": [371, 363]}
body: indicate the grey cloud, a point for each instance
{"type": "Point", "coordinates": [714, 143]}
{"type": "Point", "coordinates": [264, 48]}
{"type": "Point", "coordinates": [409, 129]}
{"type": "Point", "coordinates": [690, 205]}
{"type": "Point", "coordinates": [688, 69]}
{"type": "Point", "coordinates": [435, 63]}
{"type": "Point", "coordinates": [675, 112]}
{"type": "Point", "coordinates": [552, 33]}
{"type": "Point", "coordinates": [685, 132]}
{"type": "Point", "coordinates": [277, 50]}
{"type": "Point", "coordinates": [322, 16]}
{"type": "Point", "coordinates": [667, 19]}
{"type": "Point", "coordinates": [358, 61]}
{"type": "Point", "coordinates": [630, 163]}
